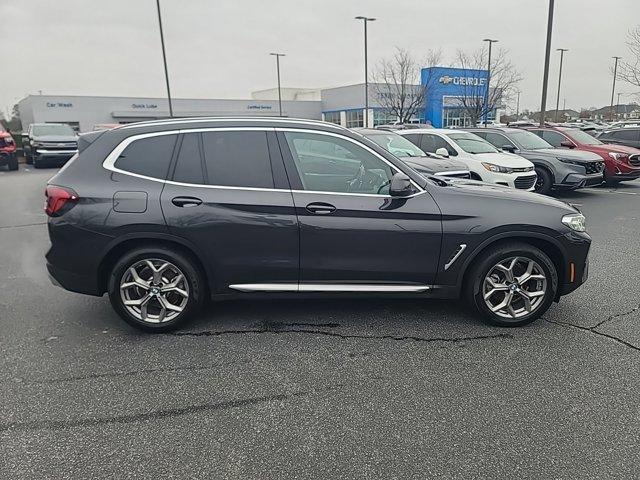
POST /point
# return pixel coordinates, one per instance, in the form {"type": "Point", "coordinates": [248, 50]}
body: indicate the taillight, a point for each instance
{"type": "Point", "coordinates": [59, 200]}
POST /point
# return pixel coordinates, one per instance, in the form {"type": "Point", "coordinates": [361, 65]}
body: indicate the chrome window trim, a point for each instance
{"type": "Point", "coordinates": [110, 160]}
{"type": "Point", "coordinates": [322, 287]}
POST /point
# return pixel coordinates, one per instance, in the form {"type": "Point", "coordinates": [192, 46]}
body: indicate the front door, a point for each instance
{"type": "Point", "coordinates": [353, 234]}
{"type": "Point", "coordinates": [228, 195]}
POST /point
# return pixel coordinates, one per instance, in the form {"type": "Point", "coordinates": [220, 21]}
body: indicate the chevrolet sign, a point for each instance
{"type": "Point", "coordinates": [467, 81]}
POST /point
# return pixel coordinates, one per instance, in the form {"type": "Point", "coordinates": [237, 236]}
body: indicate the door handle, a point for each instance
{"type": "Point", "coordinates": [186, 201]}
{"type": "Point", "coordinates": [320, 208]}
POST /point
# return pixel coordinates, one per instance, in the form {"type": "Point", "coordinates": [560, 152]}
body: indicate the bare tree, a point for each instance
{"type": "Point", "coordinates": [629, 71]}
{"type": "Point", "coordinates": [502, 86]}
{"type": "Point", "coordinates": [398, 86]}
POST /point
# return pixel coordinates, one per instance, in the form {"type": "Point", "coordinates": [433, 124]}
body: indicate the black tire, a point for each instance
{"type": "Point", "coordinates": [544, 182]}
{"type": "Point", "coordinates": [485, 263]}
{"type": "Point", "coordinates": [611, 182]}
{"type": "Point", "coordinates": [28, 159]}
{"type": "Point", "coordinates": [12, 163]}
{"type": "Point", "coordinates": [194, 278]}
{"type": "Point", "coordinates": [36, 163]}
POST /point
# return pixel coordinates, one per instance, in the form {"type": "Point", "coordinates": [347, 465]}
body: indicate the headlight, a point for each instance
{"type": "Point", "coordinates": [496, 168]}
{"type": "Point", "coordinates": [571, 161]}
{"type": "Point", "coordinates": [617, 156]}
{"type": "Point", "coordinates": [36, 144]}
{"type": "Point", "coordinates": [575, 221]}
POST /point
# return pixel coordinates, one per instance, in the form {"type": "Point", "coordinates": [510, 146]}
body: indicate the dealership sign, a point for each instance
{"type": "Point", "coordinates": [258, 107]}
{"type": "Point", "coordinates": [59, 105]}
{"type": "Point", "coordinates": [466, 81]}
{"type": "Point", "coordinates": [144, 105]}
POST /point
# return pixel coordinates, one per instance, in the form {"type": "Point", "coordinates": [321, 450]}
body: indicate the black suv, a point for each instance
{"type": "Point", "coordinates": [557, 169]}
{"type": "Point", "coordinates": [162, 215]}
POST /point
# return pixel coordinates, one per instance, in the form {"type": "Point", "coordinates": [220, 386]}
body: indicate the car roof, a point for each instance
{"type": "Point", "coordinates": [495, 129]}
{"type": "Point", "coordinates": [372, 131]}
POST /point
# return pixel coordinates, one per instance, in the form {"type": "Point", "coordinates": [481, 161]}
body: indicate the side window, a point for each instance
{"type": "Point", "coordinates": [189, 163]}
{"type": "Point", "coordinates": [331, 164]}
{"type": "Point", "coordinates": [439, 142]}
{"type": "Point", "coordinates": [626, 134]}
{"type": "Point", "coordinates": [497, 140]}
{"type": "Point", "coordinates": [554, 138]}
{"type": "Point", "coordinates": [148, 156]}
{"type": "Point", "coordinates": [237, 159]}
{"type": "Point", "coordinates": [413, 138]}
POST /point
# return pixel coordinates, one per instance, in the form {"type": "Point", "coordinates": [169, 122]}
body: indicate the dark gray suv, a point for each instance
{"type": "Point", "coordinates": [558, 169]}
{"type": "Point", "coordinates": [166, 214]}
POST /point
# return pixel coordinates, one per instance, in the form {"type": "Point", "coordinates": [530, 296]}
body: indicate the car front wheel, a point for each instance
{"type": "Point", "coordinates": [512, 285]}
{"type": "Point", "coordinates": [543, 182]}
{"type": "Point", "coordinates": [156, 289]}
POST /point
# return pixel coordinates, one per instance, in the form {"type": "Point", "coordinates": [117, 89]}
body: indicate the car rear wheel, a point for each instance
{"type": "Point", "coordinates": [512, 285]}
{"type": "Point", "coordinates": [156, 289]}
{"type": "Point", "coordinates": [543, 182]}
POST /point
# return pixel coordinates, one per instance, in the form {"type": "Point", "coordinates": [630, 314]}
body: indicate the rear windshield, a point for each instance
{"type": "Point", "coordinates": [53, 130]}
{"type": "Point", "coordinates": [471, 143]}
{"type": "Point", "coordinates": [396, 144]}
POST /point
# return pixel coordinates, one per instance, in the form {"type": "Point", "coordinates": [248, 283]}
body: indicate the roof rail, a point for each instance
{"type": "Point", "coordinates": [183, 120]}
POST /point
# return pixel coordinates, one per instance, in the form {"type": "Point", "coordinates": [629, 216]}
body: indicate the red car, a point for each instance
{"type": "Point", "coordinates": [621, 162]}
{"type": "Point", "coordinates": [7, 150]}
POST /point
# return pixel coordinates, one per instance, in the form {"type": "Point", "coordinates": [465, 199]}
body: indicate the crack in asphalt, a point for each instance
{"type": "Point", "coordinates": [597, 332]}
{"type": "Point", "coordinates": [158, 414]}
{"type": "Point", "coordinates": [217, 333]}
{"type": "Point", "coordinates": [23, 225]}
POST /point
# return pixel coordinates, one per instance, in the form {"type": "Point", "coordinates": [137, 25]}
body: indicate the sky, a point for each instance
{"type": "Point", "coordinates": [220, 48]}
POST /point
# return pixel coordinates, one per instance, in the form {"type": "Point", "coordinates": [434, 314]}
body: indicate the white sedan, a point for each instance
{"type": "Point", "coordinates": [485, 162]}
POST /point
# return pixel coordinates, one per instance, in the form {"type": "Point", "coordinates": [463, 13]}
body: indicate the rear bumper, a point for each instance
{"type": "Point", "coordinates": [73, 282]}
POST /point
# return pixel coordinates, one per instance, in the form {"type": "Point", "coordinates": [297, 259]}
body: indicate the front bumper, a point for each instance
{"type": "Point", "coordinates": [57, 156]}
{"type": "Point", "coordinates": [578, 180]}
{"type": "Point", "coordinates": [576, 270]}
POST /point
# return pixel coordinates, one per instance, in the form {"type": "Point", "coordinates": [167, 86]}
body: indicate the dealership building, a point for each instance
{"type": "Point", "coordinates": [342, 105]}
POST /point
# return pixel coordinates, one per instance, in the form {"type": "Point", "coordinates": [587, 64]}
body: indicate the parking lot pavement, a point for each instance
{"type": "Point", "coordinates": [312, 389]}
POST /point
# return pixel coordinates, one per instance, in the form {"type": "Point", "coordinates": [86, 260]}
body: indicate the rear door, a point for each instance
{"type": "Point", "coordinates": [228, 195]}
{"type": "Point", "coordinates": [353, 234]}
{"type": "Point", "coordinates": [628, 136]}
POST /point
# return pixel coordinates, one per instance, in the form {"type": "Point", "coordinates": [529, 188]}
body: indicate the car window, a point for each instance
{"type": "Point", "coordinates": [582, 137]}
{"type": "Point", "coordinates": [431, 143]}
{"type": "Point", "coordinates": [626, 134]}
{"type": "Point", "coordinates": [554, 138]}
{"type": "Point", "coordinates": [396, 144]}
{"type": "Point", "coordinates": [189, 163]}
{"type": "Point", "coordinates": [149, 156]}
{"type": "Point", "coordinates": [332, 164]}
{"type": "Point", "coordinates": [237, 159]}
{"type": "Point", "coordinates": [496, 139]}
{"type": "Point", "coordinates": [413, 138]}
{"type": "Point", "coordinates": [53, 130]}
{"type": "Point", "coordinates": [471, 143]}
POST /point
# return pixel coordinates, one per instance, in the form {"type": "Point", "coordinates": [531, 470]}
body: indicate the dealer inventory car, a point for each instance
{"type": "Point", "coordinates": [622, 162]}
{"type": "Point", "coordinates": [7, 150]}
{"type": "Point", "coordinates": [163, 214]}
{"type": "Point", "coordinates": [49, 144]}
{"type": "Point", "coordinates": [483, 160]}
{"type": "Point", "coordinates": [556, 169]}
{"type": "Point", "coordinates": [628, 135]}
{"type": "Point", "coordinates": [421, 162]}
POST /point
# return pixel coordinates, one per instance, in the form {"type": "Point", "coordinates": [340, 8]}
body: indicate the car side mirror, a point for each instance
{"type": "Point", "coordinates": [509, 148]}
{"type": "Point", "coordinates": [567, 144]}
{"type": "Point", "coordinates": [400, 185]}
{"type": "Point", "coordinates": [443, 152]}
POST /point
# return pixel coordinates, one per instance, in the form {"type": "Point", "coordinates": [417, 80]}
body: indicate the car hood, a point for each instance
{"type": "Point", "coordinates": [56, 138]}
{"type": "Point", "coordinates": [610, 147]}
{"type": "Point", "coordinates": [577, 155]}
{"type": "Point", "coordinates": [503, 159]}
{"type": "Point", "coordinates": [483, 189]}
{"type": "Point", "coordinates": [434, 165]}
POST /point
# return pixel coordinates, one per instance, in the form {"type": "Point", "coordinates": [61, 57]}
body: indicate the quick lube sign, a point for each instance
{"type": "Point", "coordinates": [447, 83]}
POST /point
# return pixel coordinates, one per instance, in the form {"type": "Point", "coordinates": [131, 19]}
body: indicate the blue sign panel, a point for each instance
{"type": "Point", "coordinates": [444, 87]}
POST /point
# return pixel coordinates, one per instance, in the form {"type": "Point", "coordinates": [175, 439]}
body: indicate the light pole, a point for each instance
{"type": "Point", "coordinates": [561, 50]}
{"type": "Point", "coordinates": [613, 89]}
{"type": "Point", "coordinates": [486, 92]}
{"type": "Point", "coordinates": [365, 20]}
{"type": "Point", "coordinates": [278, 55]}
{"type": "Point", "coordinates": [518, 105]}
{"type": "Point", "coordinates": [547, 54]}
{"type": "Point", "coordinates": [164, 60]}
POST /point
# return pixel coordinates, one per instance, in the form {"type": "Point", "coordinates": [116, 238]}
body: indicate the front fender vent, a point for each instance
{"type": "Point", "coordinates": [454, 256]}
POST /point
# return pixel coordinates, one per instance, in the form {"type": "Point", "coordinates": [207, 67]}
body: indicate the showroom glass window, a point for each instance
{"type": "Point", "coordinates": [355, 118]}
{"type": "Point", "coordinates": [326, 163]}
{"type": "Point", "coordinates": [332, 117]}
{"type": "Point", "coordinates": [237, 159]}
{"type": "Point", "coordinates": [383, 117]}
{"type": "Point", "coordinates": [149, 156]}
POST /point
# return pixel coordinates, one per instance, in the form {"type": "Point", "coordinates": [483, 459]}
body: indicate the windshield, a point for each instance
{"type": "Point", "coordinates": [582, 137]}
{"type": "Point", "coordinates": [529, 141]}
{"type": "Point", "coordinates": [53, 130]}
{"type": "Point", "coordinates": [395, 144]}
{"type": "Point", "coordinates": [471, 143]}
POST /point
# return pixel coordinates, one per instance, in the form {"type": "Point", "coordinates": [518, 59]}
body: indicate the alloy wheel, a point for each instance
{"type": "Point", "coordinates": [154, 290]}
{"type": "Point", "coordinates": [514, 287]}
